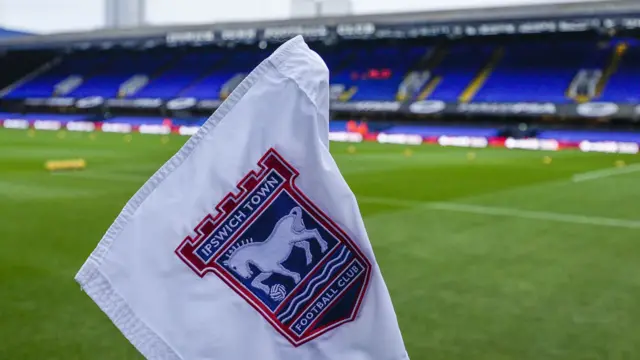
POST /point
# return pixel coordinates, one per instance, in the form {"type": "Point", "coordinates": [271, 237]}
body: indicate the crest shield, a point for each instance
{"type": "Point", "coordinates": [276, 249]}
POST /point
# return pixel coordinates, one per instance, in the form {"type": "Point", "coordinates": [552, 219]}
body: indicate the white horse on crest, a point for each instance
{"type": "Point", "coordinates": [269, 255]}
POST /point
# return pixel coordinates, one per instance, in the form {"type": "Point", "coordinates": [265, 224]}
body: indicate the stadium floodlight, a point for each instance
{"type": "Point", "coordinates": [318, 8]}
{"type": "Point", "coordinates": [318, 4]}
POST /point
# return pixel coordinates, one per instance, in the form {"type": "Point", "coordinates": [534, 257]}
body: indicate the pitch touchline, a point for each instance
{"type": "Point", "coordinates": [604, 173]}
{"type": "Point", "coordinates": [508, 212]}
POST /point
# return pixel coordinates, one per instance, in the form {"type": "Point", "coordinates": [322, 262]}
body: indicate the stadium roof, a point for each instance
{"type": "Point", "coordinates": [602, 8]}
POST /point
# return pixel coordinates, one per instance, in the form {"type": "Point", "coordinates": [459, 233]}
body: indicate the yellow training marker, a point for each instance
{"type": "Point", "coordinates": [62, 134]}
{"type": "Point", "coordinates": [164, 140]}
{"type": "Point", "coordinates": [31, 133]}
{"type": "Point", "coordinates": [92, 136]}
{"type": "Point", "coordinates": [351, 149]}
{"type": "Point", "coordinates": [547, 160]}
{"type": "Point", "coordinates": [471, 156]}
{"type": "Point", "coordinates": [408, 152]}
{"type": "Point", "coordinates": [128, 138]}
{"type": "Point", "coordinates": [620, 163]}
{"type": "Point", "coordinates": [56, 165]}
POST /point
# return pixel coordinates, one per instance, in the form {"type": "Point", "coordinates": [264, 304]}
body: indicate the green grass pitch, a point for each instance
{"type": "Point", "coordinates": [501, 255]}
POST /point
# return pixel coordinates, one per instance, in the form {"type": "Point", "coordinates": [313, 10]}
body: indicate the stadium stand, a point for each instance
{"type": "Point", "coordinates": [44, 85]}
{"type": "Point", "coordinates": [624, 83]}
{"type": "Point", "coordinates": [16, 65]}
{"type": "Point", "coordinates": [210, 83]}
{"type": "Point", "coordinates": [369, 72]}
{"type": "Point", "coordinates": [109, 80]}
{"type": "Point", "coordinates": [466, 79]}
{"type": "Point", "coordinates": [458, 69]}
{"type": "Point", "coordinates": [373, 72]}
{"type": "Point", "coordinates": [527, 72]}
{"type": "Point", "coordinates": [184, 72]}
{"type": "Point", "coordinates": [481, 72]}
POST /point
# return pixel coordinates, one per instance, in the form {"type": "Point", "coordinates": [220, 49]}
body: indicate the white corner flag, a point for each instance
{"type": "Point", "coordinates": [248, 244]}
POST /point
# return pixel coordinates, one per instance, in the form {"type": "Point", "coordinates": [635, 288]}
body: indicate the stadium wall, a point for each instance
{"type": "Point", "coordinates": [343, 131]}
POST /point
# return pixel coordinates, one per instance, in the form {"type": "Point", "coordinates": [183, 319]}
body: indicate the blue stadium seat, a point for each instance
{"type": "Point", "coordinates": [458, 69]}
{"type": "Point", "coordinates": [184, 72]}
{"type": "Point", "coordinates": [210, 85]}
{"type": "Point", "coordinates": [82, 64]}
{"type": "Point", "coordinates": [375, 71]}
{"type": "Point", "coordinates": [624, 84]}
{"type": "Point", "coordinates": [540, 71]}
{"type": "Point", "coordinates": [107, 80]}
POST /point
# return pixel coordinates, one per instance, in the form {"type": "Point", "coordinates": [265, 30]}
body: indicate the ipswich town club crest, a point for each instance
{"type": "Point", "coordinates": [281, 253]}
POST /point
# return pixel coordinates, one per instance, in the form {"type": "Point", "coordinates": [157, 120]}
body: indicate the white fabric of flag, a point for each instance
{"type": "Point", "coordinates": [248, 243]}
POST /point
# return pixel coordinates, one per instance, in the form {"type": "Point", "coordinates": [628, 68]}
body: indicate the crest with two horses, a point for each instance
{"type": "Point", "coordinates": [287, 258]}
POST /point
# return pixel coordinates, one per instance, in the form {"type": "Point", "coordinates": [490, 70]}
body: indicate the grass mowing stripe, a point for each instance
{"type": "Point", "coordinates": [101, 176]}
{"type": "Point", "coordinates": [24, 191]}
{"type": "Point", "coordinates": [605, 173]}
{"type": "Point", "coordinates": [508, 212]}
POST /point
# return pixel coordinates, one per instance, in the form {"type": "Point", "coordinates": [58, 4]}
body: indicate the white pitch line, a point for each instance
{"type": "Point", "coordinates": [604, 173]}
{"type": "Point", "coordinates": [509, 212]}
